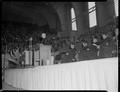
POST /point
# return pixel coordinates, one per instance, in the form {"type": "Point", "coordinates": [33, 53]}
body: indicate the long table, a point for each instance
{"type": "Point", "coordinates": [99, 74]}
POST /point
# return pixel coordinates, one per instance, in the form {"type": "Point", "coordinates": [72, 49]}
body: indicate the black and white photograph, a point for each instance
{"type": "Point", "coordinates": [59, 45]}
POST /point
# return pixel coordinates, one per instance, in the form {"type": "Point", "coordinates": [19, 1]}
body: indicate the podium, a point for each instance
{"type": "Point", "coordinates": [43, 55]}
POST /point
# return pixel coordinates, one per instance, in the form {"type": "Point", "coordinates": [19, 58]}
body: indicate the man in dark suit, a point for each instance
{"type": "Point", "coordinates": [69, 56]}
{"type": "Point", "coordinates": [108, 47]}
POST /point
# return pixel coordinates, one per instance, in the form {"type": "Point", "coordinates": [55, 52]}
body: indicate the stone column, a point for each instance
{"type": "Point", "coordinates": [61, 12]}
{"type": "Point", "coordinates": [68, 18]}
{"type": "Point", "coordinates": [64, 15]}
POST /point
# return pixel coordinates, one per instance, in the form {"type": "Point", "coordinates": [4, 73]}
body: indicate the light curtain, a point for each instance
{"type": "Point", "coordinates": [99, 74]}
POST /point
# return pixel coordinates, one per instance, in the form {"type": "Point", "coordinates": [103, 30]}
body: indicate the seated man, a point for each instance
{"type": "Point", "coordinates": [108, 47]}
{"type": "Point", "coordinates": [78, 46]}
{"type": "Point", "coordinates": [88, 51]}
{"type": "Point", "coordinates": [58, 58]}
{"type": "Point", "coordinates": [69, 56]}
{"type": "Point", "coordinates": [96, 43]}
{"type": "Point", "coordinates": [92, 52]}
{"type": "Point", "coordinates": [82, 52]}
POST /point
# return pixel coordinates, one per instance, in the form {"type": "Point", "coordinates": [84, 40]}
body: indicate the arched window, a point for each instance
{"type": "Point", "coordinates": [92, 14]}
{"type": "Point", "coordinates": [73, 18]}
{"type": "Point", "coordinates": [116, 7]}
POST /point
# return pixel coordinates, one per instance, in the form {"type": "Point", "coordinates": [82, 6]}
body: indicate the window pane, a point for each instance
{"type": "Point", "coordinates": [72, 13]}
{"type": "Point", "coordinates": [116, 7]}
{"type": "Point", "coordinates": [92, 19]}
{"type": "Point", "coordinates": [91, 4]}
{"type": "Point", "coordinates": [73, 18]}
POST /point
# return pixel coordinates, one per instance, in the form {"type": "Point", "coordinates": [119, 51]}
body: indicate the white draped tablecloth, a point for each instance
{"type": "Point", "coordinates": [99, 74]}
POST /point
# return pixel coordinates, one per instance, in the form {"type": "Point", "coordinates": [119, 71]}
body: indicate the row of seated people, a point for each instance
{"type": "Point", "coordinates": [88, 47]}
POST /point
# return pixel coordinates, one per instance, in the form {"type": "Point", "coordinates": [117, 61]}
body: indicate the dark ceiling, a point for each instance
{"type": "Point", "coordinates": [40, 13]}
{"type": "Point", "coordinates": [30, 12]}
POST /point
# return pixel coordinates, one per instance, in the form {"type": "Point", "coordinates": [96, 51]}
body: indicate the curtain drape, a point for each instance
{"type": "Point", "coordinates": [99, 74]}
